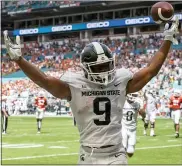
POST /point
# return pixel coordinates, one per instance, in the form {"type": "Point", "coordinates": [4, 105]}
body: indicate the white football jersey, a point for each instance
{"type": "Point", "coordinates": [17, 104]}
{"type": "Point", "coordinates": [151, 103]}
{"type": "Point", "coordinates": [9, 105]}
{"type": "Point", "coordinates": [24, 104]}
{"type": "Point", "coordinates": [98, 109]}
{"type": "Point", "coordinates": [3, 105]}
{"type": "Point", "coordinates": [130, 112]}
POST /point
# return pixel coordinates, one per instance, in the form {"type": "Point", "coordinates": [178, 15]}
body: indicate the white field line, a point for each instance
{"type": "Point", "coordinates": [158, 147]}
{"type": "Point", "coordinates": [170, 135]}
{"type": "Point", "coordinates": [47, 128]}
{"type": "Point", "coordinates": [46, 142]}
{"type": "Point", "coordinates": [57, 147]}
{"type": "Point", "coordinates": [164, 128]}
{"type": "Point", "coordinates": [50, 134]}
{"type": "Point", "coordinates": [4, 143]}
{"type": "Point", "coordinates": [31, 157]}
{"type": "Point", "coordinates": [172, 140]}
{"type": "Point", "coordinates": [156, 136]}
{"type": "Point", "coordinates": [60, 141]}
{"type": "Point", "coordinates": [68, 154]}
{"type": "Point", "coordinates": [38, 135]}
{"type": "Point", "coordinates": [153, 139]}
{"type": "Point", "coordinates": [17, 146]}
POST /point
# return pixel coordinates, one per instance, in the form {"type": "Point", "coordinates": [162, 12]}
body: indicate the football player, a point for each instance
{"type": "Point", "coordinates": [175, 105]}
{"type": "Point", "coordinates": [97, 94]}
{"type": "Point", "coordinates": [40, 104]}
{"type": "Point", "coordinates": [4, 116]}
{"type": "Point", "coordinates": [9, 104]}
{"type": "Point", "coordinates": [151, 108]}
{"type": "Point", "coordinates": [131, 109]}
{"type": "Point", "coordinates": [17, 106]}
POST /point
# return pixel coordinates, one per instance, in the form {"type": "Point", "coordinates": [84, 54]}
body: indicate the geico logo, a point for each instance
{"type": "Point", "coordinates": [29, 31]}
{"type": "Point", "coordinates": [62, 28]}
{"type": "Point", "coordinates": [98, 24]}
{"type": "Point", "coordinates": [137, 21]}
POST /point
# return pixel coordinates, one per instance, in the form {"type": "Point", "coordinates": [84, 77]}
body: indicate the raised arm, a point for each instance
{"type": "Point", "coordinates": [53, 85]}
{"type": "Point", "coordinates": [142, 77]}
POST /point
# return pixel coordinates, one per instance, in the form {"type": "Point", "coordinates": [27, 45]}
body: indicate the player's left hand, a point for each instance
{"type": "Point", "coordinates": [170, 32]}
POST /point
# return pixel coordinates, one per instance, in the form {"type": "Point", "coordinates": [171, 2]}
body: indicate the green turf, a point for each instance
{"type": "Point", "coordinates": [61, 132]}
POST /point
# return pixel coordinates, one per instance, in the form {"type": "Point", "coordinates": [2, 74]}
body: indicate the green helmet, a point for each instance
{"type": "Point", "coordinates": [98, 63]}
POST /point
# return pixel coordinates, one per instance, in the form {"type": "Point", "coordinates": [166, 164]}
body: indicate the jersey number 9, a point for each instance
{"type": "Point", "coordinates": [107, 110]}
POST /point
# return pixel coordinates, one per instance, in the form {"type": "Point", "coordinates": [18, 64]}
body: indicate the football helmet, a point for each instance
{"type": "Point", "coordinates": [41, 94]}
{"type": "Point", "coordinates": [176, 93]}
{"type": "Point", "coordinates": [98, 63]}
{"type": "Point", "coordinates": [132, 97]}
{"type": "Point", "coordinates": [152, 92]}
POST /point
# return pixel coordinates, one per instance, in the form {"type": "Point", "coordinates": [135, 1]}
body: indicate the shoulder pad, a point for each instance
{"type": "Point", "coordinates": [123, 76]}
{"type": "Point", "coordinates": [74, 79]}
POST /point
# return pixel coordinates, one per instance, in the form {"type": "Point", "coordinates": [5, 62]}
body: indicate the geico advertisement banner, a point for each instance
{"type": "Point", "coordinates": [90, 25]}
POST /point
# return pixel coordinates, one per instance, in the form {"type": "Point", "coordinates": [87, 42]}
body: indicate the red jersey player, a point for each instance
{"type": "Point", "coordinates": [175, 104]}
{"type": "Point", "coordinates": [41, 104]}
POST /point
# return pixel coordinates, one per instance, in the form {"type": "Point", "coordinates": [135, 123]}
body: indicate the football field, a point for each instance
{"type": "Point", "coordinates": [58, 143]}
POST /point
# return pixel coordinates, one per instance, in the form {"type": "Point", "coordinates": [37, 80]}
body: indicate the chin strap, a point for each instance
{"type": "Point", "coordinates": [106, 80]}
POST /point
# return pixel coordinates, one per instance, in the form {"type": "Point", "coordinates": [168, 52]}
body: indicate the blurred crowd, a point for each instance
{"type": "Point", "coordinates": [60, 56]}
{"type": "Point", "coordinates": [64, 54]}
{"type": "Point", "coordinates": [26, 4]}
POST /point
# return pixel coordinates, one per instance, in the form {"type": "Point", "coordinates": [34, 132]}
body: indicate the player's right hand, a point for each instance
{"type": "Point", "coordinates": [171, 31]}
{"type": "Point", "coordinates": [14, 50]}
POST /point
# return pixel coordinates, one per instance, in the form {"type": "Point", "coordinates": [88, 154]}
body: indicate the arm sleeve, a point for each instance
{"type": "Point", "coordinates": [123, 76]}
{"type": "Point", "coordinates": [71, 80]}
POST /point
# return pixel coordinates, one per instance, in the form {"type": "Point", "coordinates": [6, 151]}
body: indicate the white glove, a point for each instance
{"type": "Point", "coordinates": [170, 33]}
{"type": "Point", "coordinates": [14, 50]}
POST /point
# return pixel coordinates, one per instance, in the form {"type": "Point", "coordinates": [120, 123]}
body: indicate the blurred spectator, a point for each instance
{"type": "Point", "coordinates": [130, 52]}
{"type": "Point", "coordinates": [59, 56]}
{"type": "Point", "coordinates": [13, 6]}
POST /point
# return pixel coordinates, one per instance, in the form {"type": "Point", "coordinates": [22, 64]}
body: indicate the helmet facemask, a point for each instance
{"type": "Point", "coordinates": [176, 93]}
{"type": "Point", "coordinates": [41, 94]}
{"type": "Point", "coordinates": [98, 63]}
{"type": "Point", "coordinates": [131, 97]}
{"type": "Point", "coordinates": [104, 74]}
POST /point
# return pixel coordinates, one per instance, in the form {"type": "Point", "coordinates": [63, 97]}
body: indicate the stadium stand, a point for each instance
{"type": "Point", "coordinates": [26, 5]}
{"type": "Point", "coordinates": [54, 53]}
{"type": "Point", "coordinates": [54, 63]}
